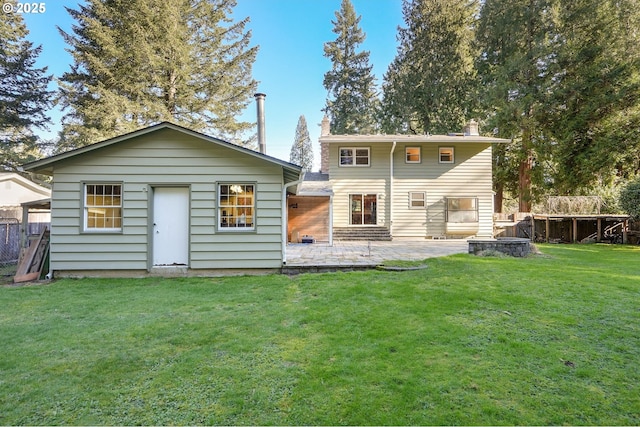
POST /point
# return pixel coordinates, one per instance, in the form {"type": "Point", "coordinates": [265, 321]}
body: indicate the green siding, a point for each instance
{"type": "Point", "coordinates": [166, 157]}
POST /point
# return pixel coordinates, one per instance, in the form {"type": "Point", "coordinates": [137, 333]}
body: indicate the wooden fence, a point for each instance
{"type": "Point", "coordinates": [10, 238]}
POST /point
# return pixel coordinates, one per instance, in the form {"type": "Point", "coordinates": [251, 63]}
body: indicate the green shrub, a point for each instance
{"type": "Point", "coordinates": [630, 198]}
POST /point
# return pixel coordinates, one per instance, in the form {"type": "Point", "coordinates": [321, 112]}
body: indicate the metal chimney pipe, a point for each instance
{"type": "Point", "coordinates": [262, 142]}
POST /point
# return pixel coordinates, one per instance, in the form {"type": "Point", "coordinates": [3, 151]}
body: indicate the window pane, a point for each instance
{"type": "Point", "coordinates": [103, 206]}
{"type": "Point", "coordinates": [413, 154]}
{"type": "Point", "coordinates": [462, 209]}
{"type": "Point", "coordinates": [362, 156]}
{"type": "Point", "coordinates": [354, 156]}
{"type": "Point", "coordinates": [346, 156]}
{"type": "Point", "coordinates": [236, 206]}
{"type": "Point", "coordinates": [417, 200]}
{"type": "Point", "coordinates": [446, 155]}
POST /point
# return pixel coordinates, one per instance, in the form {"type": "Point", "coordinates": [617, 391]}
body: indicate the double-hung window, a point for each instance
{"type": "Point", "coordinates": [417, 200]}
{"type": "Point", "coordinates": [354, 156]}
{"type": "Point", "coordinates": [462, 209]}
{"type": "Point", "coordinates": [236, 207]}
{"type": "Point", "coordinates": [412, 154]}
{"type": "Point", "coordinates": [445, 155]}
{"type": "Point", "coordinates": [102, 207]}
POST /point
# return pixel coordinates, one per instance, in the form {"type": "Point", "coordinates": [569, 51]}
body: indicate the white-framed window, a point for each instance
{"type": "Point", "coordinates": [102, 207]}
{"type": "Point", "coordinates": [354, 156]}
{"type": "Point", "coordinates": [412, 155]}
{"type": "Point", "coordinates": [236, 206]}
{"type": "Point", "coordinates": [462, 209]}
{"type": "Point", "coordinates": [445, 155]}
{"type": "Point", "coordinates": [417, 200]}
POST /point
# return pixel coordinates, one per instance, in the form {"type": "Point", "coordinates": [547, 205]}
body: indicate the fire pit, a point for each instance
{"type": "Point", "coordinates": [513, 246]}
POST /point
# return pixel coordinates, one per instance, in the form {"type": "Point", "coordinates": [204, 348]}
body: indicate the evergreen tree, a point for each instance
{"type": "Point", "coordinates": [302, 150]}
{"type": "Point", "coordinates": [595, 96]}
{"type": "Point", "coordinates": [430, 85]}
{"type": "Point", "coordinates": [24, 97]}
{"type": "Point", "coordinates": [352, 103]}
{"type": "Point", "coordinates": [514, 41]}
{"type": "Point", "coordinates": [139, 62]}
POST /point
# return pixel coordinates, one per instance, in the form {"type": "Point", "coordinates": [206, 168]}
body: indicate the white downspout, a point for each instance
{"type": "Point", "coordinates": [393, 148]}
{"type": "Point", "coordinates": [285, 216]}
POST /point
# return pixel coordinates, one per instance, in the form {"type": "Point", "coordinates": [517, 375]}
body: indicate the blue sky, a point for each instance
{"type": "Point", "coordinates": [290, 64]}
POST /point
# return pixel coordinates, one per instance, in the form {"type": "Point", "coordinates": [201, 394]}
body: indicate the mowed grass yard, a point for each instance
{"type": "Point", "coordinates": [550, 339]}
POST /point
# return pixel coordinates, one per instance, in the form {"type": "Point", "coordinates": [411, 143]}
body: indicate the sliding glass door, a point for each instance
{"type": "Point", "coordinates": [363, 209]}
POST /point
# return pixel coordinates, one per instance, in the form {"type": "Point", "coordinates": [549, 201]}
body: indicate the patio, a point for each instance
{"type": "Point", "coordinates": [345, 255]}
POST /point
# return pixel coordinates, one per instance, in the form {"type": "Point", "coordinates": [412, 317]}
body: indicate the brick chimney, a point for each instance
{"type": "Point", "coordinates": [325, 130]}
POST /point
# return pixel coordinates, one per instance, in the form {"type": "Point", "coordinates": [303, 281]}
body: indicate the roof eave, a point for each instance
{"type": "Point", "coordinates": [478, 139]}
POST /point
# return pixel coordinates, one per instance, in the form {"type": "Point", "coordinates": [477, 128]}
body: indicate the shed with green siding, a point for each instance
{"type": "Point", "coordinates": [166, 199]}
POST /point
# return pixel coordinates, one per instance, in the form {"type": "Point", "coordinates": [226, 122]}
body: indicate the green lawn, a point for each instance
{"type": "Point", "coordinates": [550, 339]}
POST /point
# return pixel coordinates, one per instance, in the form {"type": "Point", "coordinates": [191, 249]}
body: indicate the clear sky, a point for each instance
{"type": "Point", "coordinates": [290, 65]}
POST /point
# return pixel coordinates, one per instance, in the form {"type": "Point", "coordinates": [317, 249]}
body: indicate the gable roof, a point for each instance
{"type": "Point", "coordinates": [38, 191]}
{"type": "Point", "coordinates": [12, 176]}
{"type": "Point", "coordinates": [291, 172]}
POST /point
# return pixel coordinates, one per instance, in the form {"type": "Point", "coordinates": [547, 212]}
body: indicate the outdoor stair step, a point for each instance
{"type": "Point", "coordinates": [362, 234]}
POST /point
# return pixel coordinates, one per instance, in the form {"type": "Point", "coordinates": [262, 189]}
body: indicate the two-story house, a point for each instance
{"type": "Point", "coordinates": [378, 187]}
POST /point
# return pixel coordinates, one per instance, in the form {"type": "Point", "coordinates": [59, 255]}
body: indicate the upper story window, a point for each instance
{"type": "Point", "coordinates": [236, 207]}
{"type": "Point", "coordinates": [412, 155]}
{"type": "Point", "coordinates": [103, 207]}
{"type": "Point", "coordinates": [354, 156]}
{"type": "Point", "coordinates": [445, 155]}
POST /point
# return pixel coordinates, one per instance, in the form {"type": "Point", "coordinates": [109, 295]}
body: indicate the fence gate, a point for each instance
{"type": "Point", "coordinates": [9, 246]}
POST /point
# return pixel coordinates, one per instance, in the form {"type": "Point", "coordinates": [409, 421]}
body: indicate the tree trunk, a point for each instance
{"type": "Point", "coordinates": [524, 183]}
{"type": "Point", "coordinates": [524, 173]}
{"type": "Point", "coordinates": [498, 198]}
{"type": "Point", "coordinates": [170, 93]}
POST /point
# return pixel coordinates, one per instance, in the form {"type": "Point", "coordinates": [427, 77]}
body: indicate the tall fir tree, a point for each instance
{"type": "Point", "coordinates": [352, 104]}
{"type": "Point", "coordinates": [515, 46]}
{"type": "Point", "coordinates": [595, 96]}
{"type": "Point", "coordinates": [431, 84]}
{"type": "Point", "coordinates": [139, 62]}
{"type": "Point", "coordinates": [301, 149]}
{"type": "Point", "coordinates": [24, 96]}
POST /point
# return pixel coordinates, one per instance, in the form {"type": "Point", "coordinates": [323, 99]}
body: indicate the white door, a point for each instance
{"type": "Point", "coordinates": [170, 226]}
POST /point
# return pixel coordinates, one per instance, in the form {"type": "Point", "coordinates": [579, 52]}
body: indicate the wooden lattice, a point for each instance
{"type": "Point", "coordinates": [575, 205]}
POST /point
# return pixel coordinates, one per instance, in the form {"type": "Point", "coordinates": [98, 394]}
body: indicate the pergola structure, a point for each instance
{"type": "Point", "coordinates": [568, 219]}
{"type": "Point", "coordinates": [580, 227]}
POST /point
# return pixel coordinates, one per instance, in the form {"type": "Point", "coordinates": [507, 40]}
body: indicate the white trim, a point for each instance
{"type": "Point", "coordinates": [240, 219]}
{"type": "Point", "coordinates": [407, 161]}
{"type": "Point", "coordinates": [354, 156]}
{"type": "Point", "coordinates": [86, 208]}
{"type": "Point", "coordinates": [391, 190]}
{"type": "Point", "coordinates": [423, 200]}
{"type": "Point", "coordinates": [285, 217]}
{"type": "Point", "coordinates": [476, 210]}
{"type": "Point", "coordinates": [440, 154]}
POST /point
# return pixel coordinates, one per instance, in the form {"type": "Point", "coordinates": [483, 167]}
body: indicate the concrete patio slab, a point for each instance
{"type": "Point", "coordinates": [360, 255]}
